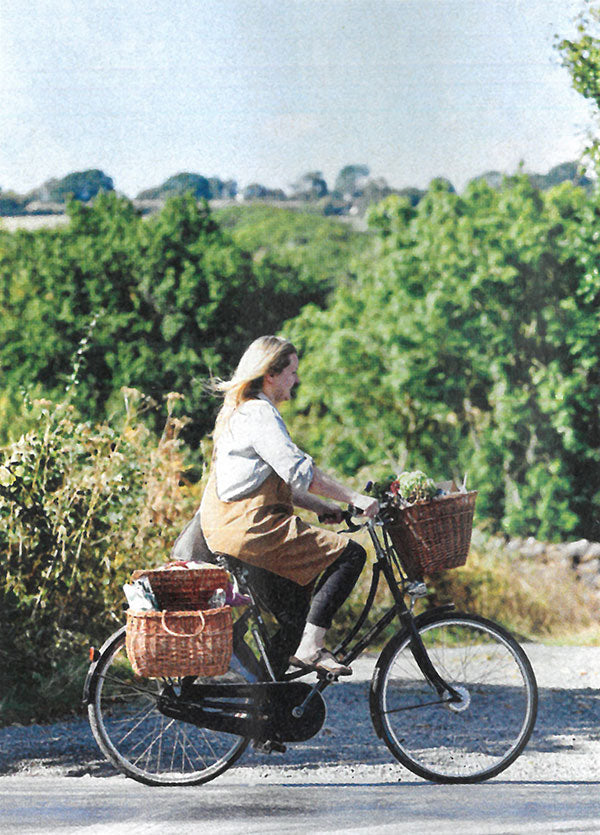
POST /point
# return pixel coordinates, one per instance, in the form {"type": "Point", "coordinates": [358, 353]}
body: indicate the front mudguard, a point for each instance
{"type": "Point", "coordinates": [388, 651]}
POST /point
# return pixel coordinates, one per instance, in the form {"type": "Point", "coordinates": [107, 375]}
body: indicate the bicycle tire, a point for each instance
{"type": "Point", "coordinates": [142, 742]}
{"type": "Point", "coordinates": [466, 742]}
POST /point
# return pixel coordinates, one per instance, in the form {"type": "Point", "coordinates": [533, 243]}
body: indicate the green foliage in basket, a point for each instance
{"type": "Point", "coordinates": [405, 488]}
{"type": "Point", "coordinates": [413, 487]}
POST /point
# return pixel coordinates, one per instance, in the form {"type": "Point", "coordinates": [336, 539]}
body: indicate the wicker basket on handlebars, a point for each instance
{"type": "Point", "coordinates": [169, 644]}
{"type": "Point", "coordinates": [433, 535]}
{"type": "Point", "coordinates": [180, 588]}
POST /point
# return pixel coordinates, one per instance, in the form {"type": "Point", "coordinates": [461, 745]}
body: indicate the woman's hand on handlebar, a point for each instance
{"type": "Point", "coordinates": [331, 515]}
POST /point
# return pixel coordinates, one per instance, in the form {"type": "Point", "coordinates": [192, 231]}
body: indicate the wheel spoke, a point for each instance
{"type": "Point", "coordinates": [471, 739]}
{"type": "Point", "coordinates": [143, 742]}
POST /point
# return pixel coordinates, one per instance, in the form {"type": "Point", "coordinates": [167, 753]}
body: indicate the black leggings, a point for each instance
{"type": "Point", "coordinates": [292, 606]}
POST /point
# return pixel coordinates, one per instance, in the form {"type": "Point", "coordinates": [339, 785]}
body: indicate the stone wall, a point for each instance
{"type": "Point", "coordinates": [580, 556]}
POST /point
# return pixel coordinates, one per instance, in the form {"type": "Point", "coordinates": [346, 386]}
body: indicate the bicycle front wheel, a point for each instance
{"type": "Point", "coordinates": [455, 742]}
{"type": "Point", "coordinates": [140, 740]}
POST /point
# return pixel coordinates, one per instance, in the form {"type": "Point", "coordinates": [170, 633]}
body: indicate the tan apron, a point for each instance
{"type": "Point", "coordinates": [261, 529]}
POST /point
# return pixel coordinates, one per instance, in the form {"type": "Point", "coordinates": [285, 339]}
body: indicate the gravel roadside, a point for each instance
{"type": "Point", "coordinates": [565, 744]}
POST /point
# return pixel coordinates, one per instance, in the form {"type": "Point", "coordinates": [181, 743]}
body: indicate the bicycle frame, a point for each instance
{"type": "Point", "coordinates": [137, 723]}
{"type": "Point", "coordinates": [348, 650]}
{"type": "Point", "coordinates": [345, 650]}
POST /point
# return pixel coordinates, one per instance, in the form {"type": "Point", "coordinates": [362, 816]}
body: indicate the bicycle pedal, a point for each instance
{"type": "Point", "coordinates": [268, 746]}
{"type": "Point", "coordinates": [323, 676]}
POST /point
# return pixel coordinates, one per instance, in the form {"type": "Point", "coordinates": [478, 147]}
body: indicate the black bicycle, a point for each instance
{"type": "Point", "coordinates": [453, 695]}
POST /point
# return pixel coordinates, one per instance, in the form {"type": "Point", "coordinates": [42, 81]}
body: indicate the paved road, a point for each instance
{"type": "Point", "coordinates": [92, 806]}
{"type": "Point", "coordinates": [344, 780]}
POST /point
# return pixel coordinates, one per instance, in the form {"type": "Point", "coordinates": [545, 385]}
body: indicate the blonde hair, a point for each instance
{"type": "Point", "coordinates": [266, 355]}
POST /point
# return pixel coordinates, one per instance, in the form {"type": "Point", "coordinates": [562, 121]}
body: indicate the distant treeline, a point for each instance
{"type": "Point", "coordinates": [353, 191]}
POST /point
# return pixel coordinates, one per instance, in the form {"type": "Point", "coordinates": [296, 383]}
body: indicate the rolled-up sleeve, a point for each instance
{"type": "Point", "coordinates": [273, 444]}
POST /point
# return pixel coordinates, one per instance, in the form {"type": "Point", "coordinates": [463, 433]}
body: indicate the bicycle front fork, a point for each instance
{"type": "Point", "coordinates": [421, 656]}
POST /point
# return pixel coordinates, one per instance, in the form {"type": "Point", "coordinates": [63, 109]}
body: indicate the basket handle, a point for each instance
{"type": "Point", "coordinates": [183, 634]}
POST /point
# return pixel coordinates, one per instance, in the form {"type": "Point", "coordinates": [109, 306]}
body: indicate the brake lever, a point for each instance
{"type": "Point", "coordinates": [351, 527]}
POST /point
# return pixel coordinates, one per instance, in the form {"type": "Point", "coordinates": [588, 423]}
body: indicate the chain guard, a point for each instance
{"type": "Point", "coordinates": [263, 710]}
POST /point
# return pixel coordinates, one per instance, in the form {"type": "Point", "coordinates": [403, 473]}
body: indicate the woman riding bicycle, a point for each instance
{"type": "Point", "coordinates": [257, 476]}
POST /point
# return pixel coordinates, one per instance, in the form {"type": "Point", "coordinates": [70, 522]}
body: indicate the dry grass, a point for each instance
{"type": "Point", "coordinates": [538, 600]}
{"type": "Point", "coordinates": [533, 599]}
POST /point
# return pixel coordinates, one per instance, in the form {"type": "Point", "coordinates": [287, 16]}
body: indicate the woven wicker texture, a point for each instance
{"type": "Point", "coordinates": [434, 535]}
{"type": "Point", "coordinates": [182, 589]}
{"type": "Point", "coordinates": [174, 644]}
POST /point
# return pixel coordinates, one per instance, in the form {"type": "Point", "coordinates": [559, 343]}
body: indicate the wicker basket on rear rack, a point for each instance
{"type": "Point", "coordinates": [434, 535]}
{"type": "Point", "coordinates": [181, 589]}
{"type": "Point", "coordinates": [186, 638]}
{"type": "Point", "coordinates": [171, 644]}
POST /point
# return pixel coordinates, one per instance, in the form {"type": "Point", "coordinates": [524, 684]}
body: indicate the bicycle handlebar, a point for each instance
{"type": "Point", "coordinates": [346, 517]}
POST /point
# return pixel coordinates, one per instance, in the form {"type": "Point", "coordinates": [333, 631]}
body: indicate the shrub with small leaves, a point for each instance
{"type": "Point", "coordinates": [81, 506]}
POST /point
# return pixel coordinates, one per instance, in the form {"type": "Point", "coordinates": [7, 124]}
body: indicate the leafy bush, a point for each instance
{"type": "Point", "coordinates": [81, 506]}
{"type": "Point", "coordinates": [468, 342]}
{"type": "Point", "coordinates": [176, 300]}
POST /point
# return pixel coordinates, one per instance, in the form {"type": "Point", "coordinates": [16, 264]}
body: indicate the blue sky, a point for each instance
{"type": "Point", "coordinates": [265, 91]}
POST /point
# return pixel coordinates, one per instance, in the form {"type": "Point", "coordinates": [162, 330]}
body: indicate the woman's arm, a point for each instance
{"type": "Point", "coordinates": [325, 485]}
{"type": "Point", "coordinates": [317, 505]}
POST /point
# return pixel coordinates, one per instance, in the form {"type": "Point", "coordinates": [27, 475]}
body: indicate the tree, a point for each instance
{"type": "Point", "coordinates": [468, 342]}
{"type": "Point", "coordinates": [174, 299]}
{"type": "Point", "coordinates": [222, 190]}
{"type": "Point", "coordinates": [256, 191]}
{"type": "Point", "coordinates": [177, 185]}
{"type": "Point", "coordinates": [80, 185]}
{"type": "Point", "coordinates": [11, 203]}
{"type": "Point", "coordinates": [581, 56]}
{"type": "Point", "coordinates": [351, 180]}
{"type": "Point", "coordinates": [310, 186]}
{"type": "Point", "coordinates": [373, 192]}
{"type": "Point", "coordinates": [571, 172]}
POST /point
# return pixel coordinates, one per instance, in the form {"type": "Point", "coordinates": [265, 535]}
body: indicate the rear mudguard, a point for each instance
{"type": "Point", "coordinates": [93, 668]}
{"type": "Point", "coordinates": [388, 651]}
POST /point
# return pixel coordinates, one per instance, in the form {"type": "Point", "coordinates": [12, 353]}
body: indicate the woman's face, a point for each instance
{"type": "Point", "coordinates": [278, 387]}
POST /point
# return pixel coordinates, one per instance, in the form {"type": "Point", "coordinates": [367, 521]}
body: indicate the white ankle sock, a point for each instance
{"type": "Point", "coordinates": [313, 638]}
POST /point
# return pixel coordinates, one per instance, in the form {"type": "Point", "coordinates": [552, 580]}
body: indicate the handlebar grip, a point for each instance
{"type": "Point", "coordinates": [325, 518]}
{"type": "Point", "coordinates": [347, 515]}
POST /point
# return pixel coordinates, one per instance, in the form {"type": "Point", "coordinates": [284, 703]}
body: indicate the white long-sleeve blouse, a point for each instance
{"type": "Point", "coordinates": [255, 444]}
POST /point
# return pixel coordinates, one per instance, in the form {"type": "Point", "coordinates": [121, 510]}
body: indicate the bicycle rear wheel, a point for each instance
{"type": "Point", "coordinates": [140, 740]}
{"type": "Point", "coordinates": [466, 741]}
